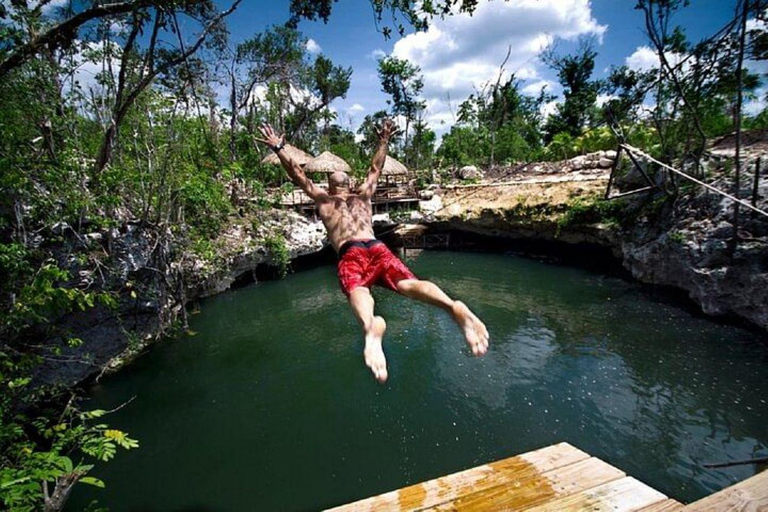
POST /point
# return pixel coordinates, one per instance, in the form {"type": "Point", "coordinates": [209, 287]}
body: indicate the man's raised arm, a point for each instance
{"type": "Point", "coordinates": [276, 143]}
{"type": "Point", "coordinates": [386, 132]}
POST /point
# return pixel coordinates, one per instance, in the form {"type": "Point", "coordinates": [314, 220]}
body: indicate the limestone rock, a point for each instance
{"type": "Point", "coordinates": [426, 194]}
{"type": "Point", "coordinates": [470, 172]}
{"type": "Point", "coordinates": [606, 163]}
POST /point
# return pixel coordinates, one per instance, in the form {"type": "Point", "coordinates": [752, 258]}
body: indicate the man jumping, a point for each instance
{"type": "Point", "coordinates": [364, 260]}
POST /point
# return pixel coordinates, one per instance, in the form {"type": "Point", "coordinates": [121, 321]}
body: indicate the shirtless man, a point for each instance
{"type": "Point", "coordinates": [365, 261]}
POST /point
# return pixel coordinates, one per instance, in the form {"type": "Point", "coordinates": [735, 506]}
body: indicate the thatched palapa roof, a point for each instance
{"type": "Point", "coordinates": [295, 153]}
{"type": "Point", "coordinates": [327, 163]}
{"type": "Point", "coordinates": [393, 168]}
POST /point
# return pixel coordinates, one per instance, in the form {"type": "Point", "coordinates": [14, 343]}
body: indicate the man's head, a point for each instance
{"type": "Point", "coordinates": [338, 182]}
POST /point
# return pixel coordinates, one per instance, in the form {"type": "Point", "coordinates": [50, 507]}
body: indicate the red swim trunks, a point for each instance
{"type": "Point", "coordinates": [369, 262]}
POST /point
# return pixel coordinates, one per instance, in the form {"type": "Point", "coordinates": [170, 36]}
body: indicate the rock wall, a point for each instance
{"type": "Point", "coordinates": [684, 243]}
{"type": "Point", "coordinates": [693, 252]}
{"type": "Point", "coordinates": [153, 281]}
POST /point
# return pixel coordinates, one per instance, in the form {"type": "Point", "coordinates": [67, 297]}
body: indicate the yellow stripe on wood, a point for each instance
{"type": "Point", "coordinates": [528, 492]}
{"type": "Point", "coordinates": [434, 492]}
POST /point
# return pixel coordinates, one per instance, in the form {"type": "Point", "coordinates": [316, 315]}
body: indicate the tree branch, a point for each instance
{"type": "Point", "coordinates": [67, 29]}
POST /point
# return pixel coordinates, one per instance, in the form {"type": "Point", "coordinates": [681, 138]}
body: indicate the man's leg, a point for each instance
{"type": "Point", "coordinates": [425, 291]}
{"type": "Point", "coordinates": [361, 301]}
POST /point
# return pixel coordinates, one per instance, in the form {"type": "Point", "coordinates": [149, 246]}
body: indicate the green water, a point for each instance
{"type": "Point", "coordinates": [269, 406]}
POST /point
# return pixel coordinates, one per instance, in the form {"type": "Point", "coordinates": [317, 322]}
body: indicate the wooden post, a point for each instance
{"type": "Point", "coordinates": [614, 168]}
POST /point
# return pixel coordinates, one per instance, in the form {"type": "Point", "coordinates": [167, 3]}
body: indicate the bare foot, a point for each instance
{"type": "Point", "coordinates": [373, 353]}
{"type": "Point", "coordinates": [474, 330]}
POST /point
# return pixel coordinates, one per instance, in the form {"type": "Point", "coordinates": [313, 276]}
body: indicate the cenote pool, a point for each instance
{"type": "Point", "coordinates": [269, 405]}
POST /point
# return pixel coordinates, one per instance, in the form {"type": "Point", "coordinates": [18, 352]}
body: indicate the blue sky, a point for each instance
{"type": "Point", "coordinates": [463, 52]}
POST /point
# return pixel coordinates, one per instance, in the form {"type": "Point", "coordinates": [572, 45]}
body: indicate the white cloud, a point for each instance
{"type": "Point", "coordinates": [376, 54]}
{"type": "Point", "coordinates": [356, 108]}
{"type": "Point", "coordinates": [602, 99]}
{"type": "Point", "coordinates": [755, 24]}
{"type": "Point", "coordinates": [549, 109]}
{"type": "Point", "coordinates": [46, 9]}
{"type": "Point", "coordinates": [313, 47]}
{"type": "Point", "coordinates": [645, 58]}
{"type": "Point", "coordinates": [461, 53]}
{"type": "Point", "coordinates": [534, 89]}
{"type": "Point", "coordinates": [52, 5]}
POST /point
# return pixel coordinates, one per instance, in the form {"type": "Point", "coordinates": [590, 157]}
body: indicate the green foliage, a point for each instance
{"type": "Point", "coordinates": [367, 130]}
{"type": "Point", "coordinates": [403, 82]}
{"type": "Point", "coordinates": [205, 202]}
{"type": "Point", "coordinates": [499, 124]}
{"type": "Point", "coordinates": [49, 447]}
{"type": "Point", "coordinates": [464, 146]}
{"type": "Point", "coordinates": [565, 146]}
{"type": "Point", "coordinates": [574, 73]}
{"type": "Point", "coordinates": [278, 250]}
{"type": "Point", "coordinates": [591, 210]}
{"type": "Point", "coordinates": [677, 236]}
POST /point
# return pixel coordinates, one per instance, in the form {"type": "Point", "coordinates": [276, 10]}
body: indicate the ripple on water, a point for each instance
{"type": "Point", "coordinates": [269, 406]}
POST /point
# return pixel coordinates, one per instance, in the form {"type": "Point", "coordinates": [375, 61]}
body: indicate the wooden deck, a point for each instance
{"type": "Point", "coordinates": [557, 478]}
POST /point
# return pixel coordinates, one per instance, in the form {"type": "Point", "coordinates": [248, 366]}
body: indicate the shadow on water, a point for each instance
{"type": "Point", "coordinates": [269, 406]}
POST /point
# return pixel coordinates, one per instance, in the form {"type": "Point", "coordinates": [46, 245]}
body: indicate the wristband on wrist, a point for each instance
{"type": "Point", "coordinates": [277, 148]}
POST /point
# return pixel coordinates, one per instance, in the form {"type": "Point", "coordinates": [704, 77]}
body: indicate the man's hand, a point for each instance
{"type": "Point", "coordinates": [387, 131]}
{"type": "Point", "coordinates": [271, 138]}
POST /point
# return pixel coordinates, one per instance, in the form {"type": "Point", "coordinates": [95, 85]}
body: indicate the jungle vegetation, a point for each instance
{"type": "Point", "coordinates": [147, 143]}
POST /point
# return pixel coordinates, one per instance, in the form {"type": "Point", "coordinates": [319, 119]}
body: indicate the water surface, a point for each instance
{"type": "Point", "coordinates": [269, 406]}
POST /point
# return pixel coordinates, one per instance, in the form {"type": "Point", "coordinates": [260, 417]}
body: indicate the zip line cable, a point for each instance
{"type": "Point", "coordinates": [641, 153]}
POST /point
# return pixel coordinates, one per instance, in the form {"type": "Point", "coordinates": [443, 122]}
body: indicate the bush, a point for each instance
{"type": "Point", "coordinates": [591, 210]}
{"type": "Point", "coordinates": [278, 249]}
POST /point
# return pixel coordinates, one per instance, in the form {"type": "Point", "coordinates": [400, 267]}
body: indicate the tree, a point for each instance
{"type": "Point", "coordinates": [422, 147]}
{"type": "Point", "coordinates": [414, 13]}
{"type": "Point", "coordinates": [626, 88]}
{"type": "Point", "coordinates": [367, 131]}
{"type": "Point", "coordinates": [273, 56]}
{"type": "Point", "coordinates": [325, 82]}
{"type": "Point", "coordinates": [574, 73]}
{"type": "Point", "coordinates": [138, 69]}
{"type": "Point", "coordinates": [403, 82]}
{"type": "Point", "coordinates": [496, 123]}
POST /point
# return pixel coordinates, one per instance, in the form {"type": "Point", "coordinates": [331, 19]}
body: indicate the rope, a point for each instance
{"type": "Point", "coordinates": [636, 151]}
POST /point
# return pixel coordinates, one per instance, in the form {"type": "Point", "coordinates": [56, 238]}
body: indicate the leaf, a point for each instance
{"type": "Point", "coordinates": [14, 482]}
{"type": "Point", "coordinates": [65, 463]}
{"type": "Point", "coordinates": [96, 413]}
{"type": "Point", "coordinates": [90, 480]}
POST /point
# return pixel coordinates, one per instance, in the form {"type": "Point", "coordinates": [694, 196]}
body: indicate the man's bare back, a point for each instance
{"type": "Point", "coordinates": [348, 218]}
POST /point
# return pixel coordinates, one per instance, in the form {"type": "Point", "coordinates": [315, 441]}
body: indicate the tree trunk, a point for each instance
{"type": "Point", "coordinates": [233, 118]}
{"type": "Point", "coordinates": [739, 102]}
{"type": "Point", "coordinates": [64, 484]}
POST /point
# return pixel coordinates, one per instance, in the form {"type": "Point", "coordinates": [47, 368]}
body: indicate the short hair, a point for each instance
{"type": "Point", "coordinates": [339, 179]}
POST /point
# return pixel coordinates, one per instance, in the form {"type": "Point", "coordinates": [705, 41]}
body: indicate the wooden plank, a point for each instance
{"type": "Point", "coordinates": [538, 489]}
{"type": "Point", "coordinates": [749, 495]}
{"type": "Point", "coordinates": [664, 506]}
{"type": "Point", "coordinates": [440, 490]}
{"type": "Point", "coordinates": [624, 495]}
